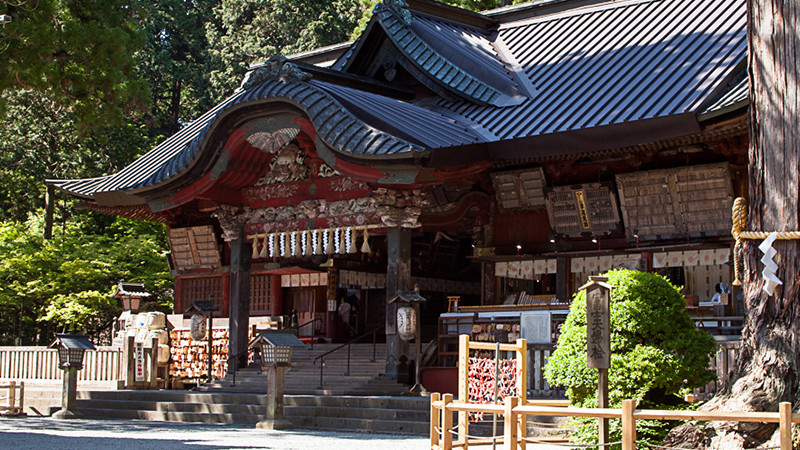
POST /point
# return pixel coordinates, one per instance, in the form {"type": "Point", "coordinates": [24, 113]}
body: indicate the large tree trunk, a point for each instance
{"type": "Point", "coordinates": [768, 369]}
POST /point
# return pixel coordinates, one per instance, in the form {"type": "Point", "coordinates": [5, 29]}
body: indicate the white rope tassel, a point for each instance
{"type": "Point", "coordinates": [328, 242]}
{"type": "Point", "coordinates": [365, 246]}
{"type": "Point", "coordinates": [316, 242]}
{"type": "Point", "coordinates": [283, 238]}
{"type": "Point", "coordinates": [264, 247]}
{"type": "Point", "coordinates": [295, 244]}
{"type": "Point", "coordinates": [255, 248]}
{"type": "Point", "coordinates": [337, 239]}
{"type": "Point", "coordinates": [271, 240]}
{"type": "Point", "coordinates": [352, 235]}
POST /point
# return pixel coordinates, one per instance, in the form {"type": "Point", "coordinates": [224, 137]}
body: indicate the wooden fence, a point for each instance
{"type": "Point", "coordinates": [515, 413]}
{"type": "Point", "coordinates": [15, 398]}
{"type": "Point", "coordinates": [41, 364]}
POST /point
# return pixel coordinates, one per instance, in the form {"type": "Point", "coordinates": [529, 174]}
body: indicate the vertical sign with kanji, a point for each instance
{"type": "Point", "coordinates": [598, 342]}
{"type": "Point", "coordinates": [139, 359]}
{"type": "Point", "coordinates": [598, 329]}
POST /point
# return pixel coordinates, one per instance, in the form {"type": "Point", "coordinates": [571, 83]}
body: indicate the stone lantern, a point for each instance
{"type": "Point", "coordinates": [71, 349]}
{"type": "Point", "coordinates": [276, 358]}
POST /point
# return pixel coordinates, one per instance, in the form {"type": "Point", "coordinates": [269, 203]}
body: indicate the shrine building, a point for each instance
{"type": "Point", "coordinates": [495, 160]}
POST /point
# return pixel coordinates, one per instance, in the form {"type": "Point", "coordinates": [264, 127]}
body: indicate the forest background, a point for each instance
{"type": "Point", "coordinates": [87, 87]}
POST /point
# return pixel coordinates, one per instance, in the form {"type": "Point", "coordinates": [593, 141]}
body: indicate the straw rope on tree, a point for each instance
{"type": "Point", "coordinates": [739, 217]}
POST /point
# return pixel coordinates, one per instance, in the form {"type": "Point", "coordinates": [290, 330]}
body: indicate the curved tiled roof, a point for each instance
{"type": "Point", "coordinates": [341, 129]}
{"type": "Point", "coordinates": [440, 69]}
{"type": "Point", "coordinates": [664, 58]}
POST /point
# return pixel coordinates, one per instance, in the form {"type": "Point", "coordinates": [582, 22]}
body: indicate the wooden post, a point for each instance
{"type": "Point", "coordinates": [12, 397]}
{"type": "Point", "coordinates": [22, 399]}
{"type": "Point", "coordinates": [628, 425]}
{"type": "Point", "coordinates": [239, 312]}
{"type": "Point", "coordinates": [435, 419]}
{"type": "Point", "coordinates": [785, 414]}
{"type": "Point", "coordinates": [598, 340]}
{"type": "Point", "coordinates": [602, 402]}
{"type": "Point", "coordinates": [398, 277]}
{"type": "Point", "coordinates": [130, 363]}
{"type": "Point", "coordinates": [154, 364]}
{"type": "Point", "coordinates": [511, 423]}
{"type": "Point", "coordinates": [463, 387]}
{"type": "Point", "coordinates": [522, 387]}
{"type": "Point", "coordinates": [447, 423]}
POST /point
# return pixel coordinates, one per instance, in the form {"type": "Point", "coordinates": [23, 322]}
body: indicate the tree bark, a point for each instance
{"type": "Point", "coordinates": [768, 367]}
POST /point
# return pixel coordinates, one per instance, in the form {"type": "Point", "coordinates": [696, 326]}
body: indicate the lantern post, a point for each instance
{"type": "Point", "coordinates": [71, 348]}
{"type": "Point", "coordinates": [598, 342]}
{"type": "Point", "coordinates": [409, 326]}
{"type": "Point", "coordinates": [200, 324]}
{"type": "Point", "coordinates": [276, 358]}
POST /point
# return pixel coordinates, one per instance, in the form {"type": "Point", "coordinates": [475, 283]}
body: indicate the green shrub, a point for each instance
{"type": "Point", "coordinates": [657, 353]}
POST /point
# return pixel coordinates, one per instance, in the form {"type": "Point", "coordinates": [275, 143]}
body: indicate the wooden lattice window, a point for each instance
{"type": "Point", "coordinates": [260, 286]}
{"type": "Point", "coordinates": [201, 289]}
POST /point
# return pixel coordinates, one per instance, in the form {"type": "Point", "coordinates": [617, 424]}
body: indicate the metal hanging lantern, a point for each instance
{"type": "Point", "coordinates": [276, 348]}
{"type": "Point", "coordinates": [197, 327]}
{"type": "Point", "coordinates": [71, 349]}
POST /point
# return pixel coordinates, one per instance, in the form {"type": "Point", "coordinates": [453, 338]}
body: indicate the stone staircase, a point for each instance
{"type": "Point", "coordinates": [364, 378]}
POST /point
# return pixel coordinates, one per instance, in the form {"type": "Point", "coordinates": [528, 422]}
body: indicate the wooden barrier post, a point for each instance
{"type": "Point", "coordinates": [510, 427]}
{"type": "Point", "coordinates": [463, 387]}
{"type": "Point", "coordinates": [12, 397]}
{"type": "Point", "coordinates": [447, 423]}
{"type": "Point", "coordinates": [154, 364]}
{"type": "Point", "coordinates": [435, 419]}
{"type": "Point", "coordinates": [22, 400]}
{"type": "Point", "coordinates": [628, 425]}
{"type": "Point", "coordinates": [785, 415]}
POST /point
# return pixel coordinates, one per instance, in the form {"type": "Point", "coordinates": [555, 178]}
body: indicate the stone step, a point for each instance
{"type": "Point", "coordinates": [362, 425]}
{"type": "Point", "coordinates": [200, 408]}
{"type": "Point", "coordinates": [170, 416]}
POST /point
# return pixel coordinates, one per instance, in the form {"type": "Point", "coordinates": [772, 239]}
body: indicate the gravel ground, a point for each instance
{"type": "Point", "coordinates": [51, 434]}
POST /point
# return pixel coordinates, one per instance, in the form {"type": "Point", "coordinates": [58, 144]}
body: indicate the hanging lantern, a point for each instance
{"type": "Point", "coordinates": [197, 327]}
{"type": "Point", "coordinates": [365, 245]}
{"type": "Point", "coordinates": [406, 322]}
{"type": "Point", "coordinates": [264, 248]}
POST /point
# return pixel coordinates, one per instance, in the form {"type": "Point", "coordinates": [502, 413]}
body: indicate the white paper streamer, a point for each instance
{"type": "Point", "coordinates": [771, 281]}
{"type": "Point", "coordinates": [329, 249]}
{"type": "Point", "coordinates": [271, 240]}
{"type": "Point", "coordinates": [283, 238]}
{"type": "Point", "coordinates": [337, 240]}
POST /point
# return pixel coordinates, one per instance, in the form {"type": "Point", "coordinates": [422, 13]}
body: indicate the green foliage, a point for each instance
{"type": "Point", "coordinates": [657, 352]}
{"type": "Point", "coordinates": [66, 283]}
{"type": "Point", "coordinates": [81, 54]}
{"type": "Point", "coordinates": [249, 31]}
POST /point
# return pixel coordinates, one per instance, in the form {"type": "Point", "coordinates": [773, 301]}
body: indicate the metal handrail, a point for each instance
{"type": "Point", "coordinates": [297, 330]}
{"type": "Point", "coordinates": [347, 344]}
{"type": "Point", "coordinates": [247, 350]}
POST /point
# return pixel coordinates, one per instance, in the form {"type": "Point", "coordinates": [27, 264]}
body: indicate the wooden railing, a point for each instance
{"type": "Point", "coordinates": [41, 363]}
{"type": "Point", "coordinates": [442, 429]}
{"type": "Point", "coordinates": [15, 397]}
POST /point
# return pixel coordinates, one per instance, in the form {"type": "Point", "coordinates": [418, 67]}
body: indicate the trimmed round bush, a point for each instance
{"type": "Point", "coordinates": [657, 353]}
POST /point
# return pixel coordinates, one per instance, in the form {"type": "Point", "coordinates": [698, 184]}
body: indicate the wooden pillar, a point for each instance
{"type": "Point", "coordinates": [276, 295]}
{"type": "Point", "coordinates": [398, 277]}
{"type": "Point", "coordinates": [628, 425]}
{"type": "Point", "coordinates": [562, 278]}
{"type": "Point", "coordinates": [239, 317]}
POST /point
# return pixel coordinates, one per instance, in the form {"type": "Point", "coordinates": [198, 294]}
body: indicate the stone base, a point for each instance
{"type": "Point", "coordinates": [67, 414]}
{"type": "Point", "coordinates": [274, 424]}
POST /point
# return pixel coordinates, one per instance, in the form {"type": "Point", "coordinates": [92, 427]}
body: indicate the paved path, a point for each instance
{"type": "Point", "coordinates": [48, 433]}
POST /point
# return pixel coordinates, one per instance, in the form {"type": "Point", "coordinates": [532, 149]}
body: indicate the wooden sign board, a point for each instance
{"type": "Point", "coordinates": [583, 210]}
{"type": "Point", "coordinates": [598, 326]}
{"type": "Point", "coordinates": [194, 247]}
{"type": "Point", "coordinates": [520, 189]}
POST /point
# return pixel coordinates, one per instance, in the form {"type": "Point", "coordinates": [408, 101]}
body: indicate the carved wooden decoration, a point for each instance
{"type": "Point", "coordinates": [194, 248]}
{"type": "Point", "coordinates": [583, 210]}
{"type": "Point", "coordinates": [520, 189]}
{"type": "Point", "coordinates": [684, 201]}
